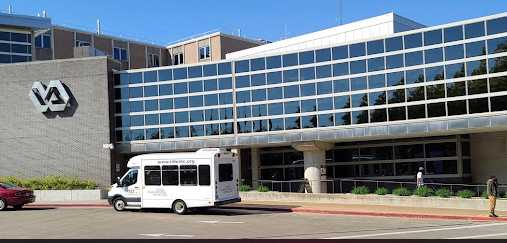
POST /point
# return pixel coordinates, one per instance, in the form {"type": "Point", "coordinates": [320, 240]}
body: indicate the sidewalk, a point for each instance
{"type": "Point", "coordinates": [325, 208]}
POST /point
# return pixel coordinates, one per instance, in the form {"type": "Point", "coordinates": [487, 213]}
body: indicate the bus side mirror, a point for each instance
{"type": "Point", "coordinates": [118, 181]}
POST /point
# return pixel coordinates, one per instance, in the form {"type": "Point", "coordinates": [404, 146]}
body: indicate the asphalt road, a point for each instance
{"type": "Point", "coordinates": [77, 223]}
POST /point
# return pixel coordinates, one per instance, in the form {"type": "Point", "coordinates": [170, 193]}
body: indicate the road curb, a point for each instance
{"type": "Point", "coordinates": [306, 210]}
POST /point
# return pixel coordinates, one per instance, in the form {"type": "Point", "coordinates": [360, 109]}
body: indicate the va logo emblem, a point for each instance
{"type": "Point", "coordinates": [52, 97]}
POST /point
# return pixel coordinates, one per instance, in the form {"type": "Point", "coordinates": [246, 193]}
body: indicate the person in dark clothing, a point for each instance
{"type": "Point", "coordinates": [492, 189]}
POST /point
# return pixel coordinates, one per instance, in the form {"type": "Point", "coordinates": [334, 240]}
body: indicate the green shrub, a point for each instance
{"type": "Point", "coordinates": [382, 191]}
{"type": "Point", "coordinates": [485, 195]}
{"type": "Point", "coordinates": [361, 190]}
{"type": "Point", "coordinates": [423, 191]}
{"type": "Point", "coordinates": [402, 191]}
{"type": "Point", "coordinates": [262, 189]}
{"type": "Point", "coordinates": [245, 188]}
{"type": "Point", "coordinates": [465, 194]}
{"type": "Point", "coordinates": [443, 192]}
{"type": "Point", "coordinates": [51, 183]}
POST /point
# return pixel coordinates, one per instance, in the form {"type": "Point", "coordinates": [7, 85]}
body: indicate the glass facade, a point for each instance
{"type": "Point", "coordinates": [15, 47]}
{"type": "Point", "coordinates": [432, 73]}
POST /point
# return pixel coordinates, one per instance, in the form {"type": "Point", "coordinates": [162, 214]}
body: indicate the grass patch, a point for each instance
{"type": "Point", "coordinates": [402, 191]}
{"type": "Point", "coordinates": [262, 188]}
{"type": "Point", "coordinates": [382, 191]}
{"type": "Point", "coordinates": [245, 188]}
{"type": "Point", "coordinates": [465, 194]}
{"type": "Point", "coordinates": [360, 190]}
{"type": "Point", "coordinates": [423, 191]}
{"type": "Point", "coordinates": [51, 183]}
{"type": "Point", "coordinates": [443, 192]}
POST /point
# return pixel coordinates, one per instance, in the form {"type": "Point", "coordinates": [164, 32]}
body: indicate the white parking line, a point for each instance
{"type": "Point", "coordinates": [477, 236]}
{"type": "Point", "coordinates": [167, 235]}
{"type": "Point", "coordinates": [220, 222]}
{"type": "Point", "coordinates": [417, 231]}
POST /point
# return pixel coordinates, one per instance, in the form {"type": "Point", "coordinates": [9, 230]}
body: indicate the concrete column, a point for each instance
{"type": "Point", "coordinates": [314, 161]}
{"type": "Point", "coordinates": [255, 159]}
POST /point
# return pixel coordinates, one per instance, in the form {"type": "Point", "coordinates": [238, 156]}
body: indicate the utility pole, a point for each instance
{"type": "Point", "coordinates": [340, 12]}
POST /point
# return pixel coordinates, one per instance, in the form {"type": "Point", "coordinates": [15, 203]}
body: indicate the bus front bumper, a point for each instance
{"type": "Point", "coordinates": [235, 200]}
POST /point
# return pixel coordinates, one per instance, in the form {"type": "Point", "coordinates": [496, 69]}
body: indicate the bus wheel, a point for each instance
{"type": "Point", "coordinates": [119, 204]}
{"type": "Point", "coordinates": [179, 207]}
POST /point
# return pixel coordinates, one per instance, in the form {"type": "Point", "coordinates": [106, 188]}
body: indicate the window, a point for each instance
{"type": "Point", "coordinates": [453, 33]}
{"type": "Point", "coordinates": [210, 70]}
{"type": "Point", "coordinates": [210, 85]}
{"type": "Point", "coordinates": [188, 175]}
{"type": "Point", "coordinates": [436, 109]}
{"type": "Point", "coordinates": [291, 91]}
{"type": "Point", "coordinates": [292, 123]}
{"type": "Point", "coordinates": [479, 86]}
{"type": "Point", "coordinates": [415, 94]}
{"type": "Point", "coordinates": [358, 67]}
{"type": "Point", "coordinates": [413, 58]}
{"type": "Point", "coordinates": [396, 96]}
{"type": "Point", "coordinates": [498, 84]}
{"type": "Point", "coordinates": [292, 107]}
{"type": "Point", "coordinates": [308, 105]}
{"type": "Point", "coordinates": [197, 130]}
{"type": "Point", "coordinates": [306, 89]}
{"type": "Point", "coordinates": [375, 47]}
{"type": "Point", "coordinates": [397, 114]}
{"type": "Point", "coordinates": [290, 60]}
{"type": "Point", "coordinates": [442, 167]}
{"type": "Point", "coordinates": [130, 179]}
{"type": "Point", "coordinates": [497, 65]}
{"type": "Point", "coordinates": [225, 83]}
{"type": "Point", "coordinates": [394, 61]}
{"type": "Point", "coordinates": [224, 68]}
{"type": "Point", "coordinates": [359, 100]}
{"type": "Point", "coordinates": [242, 66]}
{"type": "Point", "coordinates": [456, 89]}
{"type": "Point", "coordinates": [325, 104]}
{"type": "Point", "coordinates": [323, 71]}
{"type": "Point", "coordinates": [152, 119]}
{"type": "Point", "coordinates": [478, 105]}
{"type": "Point", "coordinates": [153, 60]}
{"type": "Point", "coordinates": [342, 118]}
{"type": "Point", "coordinates": [416, 111]}
{"type": "Point", "coordinates": [342, 102]}
{"type": "Point", "coordinates": [258, 79]}
{"type": "Point", "coordinates": [435, 91]}
{"type": "Point", "coordinates": [377, 98]}
{"type": "Point", "coordinates": [43, 40]}
{"type": "Point", "coordinates": [276, 125]}
{"type": "Point", "coordinates": [204, 52]}
{"type": "Point", "coordinates": [432, 37]}
{"type": "Point", "coordinates": [357, 50]}
{"type": "Point", "coordinates": [359, 83]}
{"type": "Point", "coordinates": [323, 55]}
{"type": "Point", "coordinates": [341, 86]}
{"type": "Point", "coordinates": [376, 64]}
{"type": "Point", "coordinates": [377, 81]}
{"type": "Point", "coordinates": [306, 57]}
{"type": "Point", "coordinates": [394, 44]}
{"type": "Point", "coordinates": [245, 127]}
{"type": "Point", "coordinates": [435, 73]}
{"type": "Point", "coordinates": [274, 78]}
{"type": "Point", "coordinates": [454, 52]}
{"type": "Point", "coordinates": [165, 75]}
{"type": "Point", "coordinates": [260, 126]}
{"type": "Point", "coordinates": [433, 55]}
{"type": "Point", "coordinates": [81, 43]}
{"type": "Point", "coordinates": [394, 79]}
{"type": "Point", "coordinates": [170, 176]}
{"type": "Point", "coordinates": [326, 120]}
{"type": "Point", "coordinates": [474, 30]}
{"type": "Point", "coordinates": [497, 45]}
{"type": "Point", "coordinates": [195, 72]}
{"type": "Point", "coordinates": [309, 121]}
{"type": "Point", "coordinates": [178, 58]}
{"type": "Point", "coordinates": [415, 76]}
{"type": "Point", "coordinates": [273, 62]}
{"type": "Point", "coordinates": [120, 54]}
{"type": "Point", "coordinates": [496, 26]}
{"type": "Point", "coordinates": [499, 103]}
{"type": "Point", "coordinates": [413, 40]}
{"type": "Point", "coordinates": [341, 69]}
{"type": "Point", "coordinates": [258, 64]}
{"type": "Point", "coordinates": [242, 81]}
{"type": "Point", "coordinates": [196, 116]}
{"type": "Point", "coordinates": [325, 87]}
{"type": "Point", "coordinates": [204, 175]}
{"type": "Point", "coordinates": [152, 176]}
{"type": "Point", "coordinates": [476, 68]}
{"type": "Point", "coordinates": [290, 75]}
{"type": "Point", "coordinates": [307, 74]}
{"type": "Point", "coordinates": [476, 49]}
{"type": "Point", "coordinates": [258, 95]}
{"type": "Point", "coordinates": [225, 172]}
{"type": "Point", "coordinates": [277, 93]}
{"type": "Point", "coordinates": [360, 117]}
{"type": "Point", "coordinates": [341, 52]}
{"type": "Point", "coordinates": [275, 109]}
{"type": "Point", "coordinates": [454, 71]}
{"type": "Point", "coordinates": [457, 107]}
{"type": "Point", "coordinates": [212, 129]}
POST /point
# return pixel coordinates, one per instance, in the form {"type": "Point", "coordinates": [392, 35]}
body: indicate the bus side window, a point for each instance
{"type": "Point", "coordinates": [204, 175]}
{"type": "Point", "coordinates": [152, 175]}
{"type": "Point", "coordinates": [170, 175]}
{"type": "Point", "coordinates": [188, 175]}
{"type": "Point", "coordinates": [225, 172]}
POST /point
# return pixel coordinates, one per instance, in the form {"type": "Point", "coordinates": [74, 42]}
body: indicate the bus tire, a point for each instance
{"type": "Point", "coordinates": [119, 204]}
{"type": "Point", "coordinates": [180, 207]}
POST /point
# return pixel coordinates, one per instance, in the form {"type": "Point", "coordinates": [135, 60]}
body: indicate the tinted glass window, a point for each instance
{"type": "Point", "coordinates": [458, 107]}
{"type": "Point", "coordinates": [413, 40]}
{"type": "Point", "coordinates": [181, 102]}
{"type": "Point", "coordinates": [416, 112]}
{"type": "Point", "coordinates": [358, 67]}
{"type": "Point", "coordinates": [434, 73]}
{"type": "Point", "coordinates": [474, 30]}
{"type": "Point", "coordinates": [170, 175]}
{"type": "Point", "coordinates": [152, 176]}
{"type": "Point", "coordinates": [197, 130]}
{"type": "Point", "coordinates": [308, 105]}
{"type": "Point", "coordinates": [394, 44]}
{"type": "Point", "coordinates": [212, 129]}
{"type": "Point", "coordinates": [136, 92]}
{"type": "Point", "coordinates": [165, 75]}
{"type": "Point", "coordinates": [291, 75]}
{"type": "Point", "coordinates": [180, 88]}
{"type": "Point", "coordinates": [394, 61]}
{"type": "Point", "coordinates": [204, 175]}
{"type": "Point", "coordinates": [413, 58]}
{"type": "Point", "coordinates": [478, 105]}
{"type": "Point", "coordinates": [394, 79]}
{"type": "Point", "coordinates": [196, 116]}
{"type": "Point", "coordinates": [224, 68]}
{"type": "Point", "coordinates": [276, 93]}
{"type": "Point", "coordinates": [396, 96]}
{"type": "Point", "coordinates": [479, 86]}
{"type": "Point", "coordinates": [308, 89]}
{"type": "Point", "coordinates": [435, 91]}
{"type": "Point", "coordinates": [188, 175]}
{"type": "Point", "coordinates": [242, 81]}
{"type": "Point", "coordinates": [210, 85]}
{"type": "Point", "coordinates": [476, 49]}
{"type": "Point", "coordinates": [476, 68]}
{"type": "Point", "coordinates": [135, 78]}
{"type": "Point", "coordinates": [150, 77]}
{"type": "Point", "coordinates": [245, 127]}
{"type": "Point", "coordinates": [211, 99]}
{"type": "Point", "coordinates": [378, 115]}
{"type": "Point", "coordinates": [340, 52]}
{"type": "Point", "coordinates": [258, 79]}
{"type": "Point", "coordinates": [195, 72]}
{"type": "Point", "coordinates": [275, 109]}
{"type": "Point", "coordinates": [377, 98]}
{"type": "Point", "coordinates": [496, 26]}
{"type": "Point", "coordinates": [326, 120]}
{"type": "Point", "coordinates": [415, 94]}
{"type": "Point", "coordinates": [376, 64]}
{"type": "Point", "coordinates": [325, 104]}
{"type": "Point", "coordinates": [499, 103]}
{"type": "Point", "coordinates": [342, 85]}
{"type": "Point", "coordinates": [307, 74]}
{"type": "Point", "coordinates": [225, 83]}
{"type": "Point", "coordinates": [243, 96]}
{"type": "Point", "coordinates": [276, 125]}
{"type": "Point", "coordinates": [455, 71]}
{"type": "Point", "coordinates": [324, 71]}
{"type": "Point", "coordinates": [397, 114]}
{"type": "Point", "coordinates": [180, 73]}
{"type": "Point", "coordinates": [342, 118]}
{"type": "Point", "coordinates": [181, 117]}
{"type": "Point", "coordinates": [274, 78]}
{"type": "Point", "coordinates": [242, 66]}
{"type": "Point", "coordinates": [360, 117]}
{"type": "Point", "coordinates": [260, 126]}
{"type": "Point", "coordinates": [290, 60]}
{"type": "Point", "coordinates": [195, 87]}
{"type": "Point", "coordinates": [306, 57]}
{"type": "Point", "coordinates": [259, 110]}
{"type": "Point", "coordinates": [291, 91]}
{"type": "Point", "coordinates": [150, 91]}
{"type": "Point", "coordinates": [292, 107]}
{"type": "Point", "coordinates": [454, 52]}
{"type": "Point", "coordinates": [453, 34]}
{"type": "Point", "coordinates": [375, 47]}
{"type": "Point", "coordinates": [274, 62]}
{"type": "Point", "coordinates": [377, 81]}
{"type": "Point", "coordinates": [323, 55]}
{"type": "Point", "coordinates": [211, 115]}
{"type": "Point", "coordinates": [166, 118]}
{"type": "Point", "coordinates": [357, 50]}
{"type": "Point", "coordinates": [497, 65]}
{"type": "Point", "coordinates": [456, 89]}
{"type": "Point", "coordinates": [432, 37]}
{"type": "Point", "coordinates": [210, 70]}
{"type": "Point", "coordinates": [258, 95]}
{"type": "Point", "coordinates": [324, 87]}
{"type": "Point", "coordinates": [341, 69]}
{"type": "Point", "coordinates": [497, 45]}
{"type": "Point", "coordinates": [498, 84]}
{"type": "Point", "coordinates": [434, 55]}
{"type": "Point", "coordinates": [342, 102]}
{"type": "Point", "coordinates": [309, 121]}
{"type": "Point", "coordinates": [359, 100]}
{"type": "Point", "coordinates": [292, 123]}
{"type": "Point", "coordinates": [358, 83]}
{"type": "Point", "coordinates": [152, 119]}
{"type": "Point", "coordinates": [415, 76]}
{"type": "Point", "coordinates": [258, 64]}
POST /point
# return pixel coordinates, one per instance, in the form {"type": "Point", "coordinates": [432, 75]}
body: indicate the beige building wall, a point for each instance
{"type": "Point", "coordinates": [230, 44]}
{"type": "Point", "coordinates": [216, 48]}
{"type": "Point", "coordinates": [137, 56]}
{"type": "Point", "coordinates": [191, 53]}
{"type": "Point", "coordinates": [489, 156]}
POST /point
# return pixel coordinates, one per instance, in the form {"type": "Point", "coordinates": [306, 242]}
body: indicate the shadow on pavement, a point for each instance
{"type": "Point", "coordinates": [220, 211]}
{"type": "Point", "coordinates": [30, 209]}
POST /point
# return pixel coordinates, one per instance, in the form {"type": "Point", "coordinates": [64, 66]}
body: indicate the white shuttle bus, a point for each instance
{"type": "Point", "coordinates": [178, 181]}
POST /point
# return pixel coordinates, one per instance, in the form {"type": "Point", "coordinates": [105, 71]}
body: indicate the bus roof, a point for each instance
{"type": "Point", "coordinates": [200, 154]}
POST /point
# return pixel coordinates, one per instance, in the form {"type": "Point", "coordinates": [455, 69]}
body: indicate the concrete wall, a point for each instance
{"type": "Point", "coordinates": [34, 144]}
{"type": "Point", "coordinates": [489, 156]}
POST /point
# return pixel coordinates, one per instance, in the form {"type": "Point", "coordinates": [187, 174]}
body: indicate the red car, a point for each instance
{"type": "Point", "coordinates": [11, 195]}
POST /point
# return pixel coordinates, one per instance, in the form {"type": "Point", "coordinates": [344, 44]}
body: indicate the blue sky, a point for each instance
{"type": "Point", "coordinates": [165, 21]}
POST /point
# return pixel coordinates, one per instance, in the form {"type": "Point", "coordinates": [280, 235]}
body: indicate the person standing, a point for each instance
{"type": "Point", "coordinates": [420, 177]}
{"type": "Point", "coordinates": [492, 189]}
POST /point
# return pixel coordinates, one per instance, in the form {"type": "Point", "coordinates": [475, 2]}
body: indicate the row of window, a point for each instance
{"type": "Point", "coordinates": [15, 37]}
{"type": "Point", "coordinates": [450, 108]}
{"type": "Point", "coordinates": [185, 175]}
{"type": "Point", "coordinates": [14, 58]}
{"type": "Point", "coordinates": [15, 48]}
{"type": "Point", "coordinates": [177, 117]}
{"type": "Point", "coordinates": [409, 41]}
{"type": "Point", "coordinates": [429, 92]}
{"type": "Point", "coordinates": [174, 89]}
{"type": "Point", "coordinates": [173, 74]}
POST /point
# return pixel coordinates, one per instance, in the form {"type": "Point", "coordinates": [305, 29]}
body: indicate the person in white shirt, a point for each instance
{"type": "Point", "coordinates": [420, 179]}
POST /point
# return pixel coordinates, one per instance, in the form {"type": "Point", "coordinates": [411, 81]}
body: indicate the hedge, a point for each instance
{"type": "Point", "coordinates": [51, 183]}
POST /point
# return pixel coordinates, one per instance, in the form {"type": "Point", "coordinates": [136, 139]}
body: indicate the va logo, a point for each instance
{"type": "Point", "coordinates": [52, 97]}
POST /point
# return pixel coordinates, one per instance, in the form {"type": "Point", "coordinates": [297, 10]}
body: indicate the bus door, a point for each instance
{"type": "Point", "coordinates": [226, 181]}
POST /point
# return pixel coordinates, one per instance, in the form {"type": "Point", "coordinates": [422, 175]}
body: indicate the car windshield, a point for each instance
{"type": "Point", "coordinates": [7, 185]}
